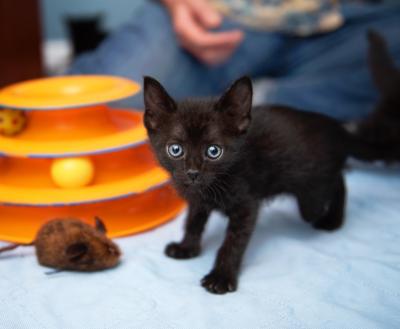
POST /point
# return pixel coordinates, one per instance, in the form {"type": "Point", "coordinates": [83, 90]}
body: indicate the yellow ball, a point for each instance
{"type": "Point", "coordinates": [72, 172]}
{"type": "Point", "coordinates": [11, 121]}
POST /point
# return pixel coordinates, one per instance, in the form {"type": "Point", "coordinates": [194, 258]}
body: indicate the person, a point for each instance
{"type": "Point", "coordinates": [308, 54]}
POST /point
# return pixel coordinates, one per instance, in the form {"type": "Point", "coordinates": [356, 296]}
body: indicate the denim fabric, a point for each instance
{"type": "Point", "coordinates": [325, 73]}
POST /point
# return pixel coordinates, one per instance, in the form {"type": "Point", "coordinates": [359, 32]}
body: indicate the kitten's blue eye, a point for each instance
{"type": "Point", "coordinates": [214, 152]}
{"type": "Point", "coordinates": [175, 150]}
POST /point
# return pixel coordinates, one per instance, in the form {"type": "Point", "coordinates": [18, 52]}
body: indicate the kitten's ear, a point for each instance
{"type": "Point", "coordinates": [158, 104]}
{"type": "Point", "coordinates": [236, 104]}
{"type": "Point", "coordinates": [384, 72]}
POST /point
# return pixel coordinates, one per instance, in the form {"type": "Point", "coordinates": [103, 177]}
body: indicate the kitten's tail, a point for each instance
{"type": "Point", "coordinates": [382, 67]}
{"type": "Point", "coordinates": [377, 137]}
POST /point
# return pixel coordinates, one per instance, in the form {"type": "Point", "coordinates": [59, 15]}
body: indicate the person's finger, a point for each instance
{"type": "Point", "coordinates": [210, 56]}
{"type": "Point", "coordinates": [208, 16]}
{"type": "Point", "coordinates": [189, 30]}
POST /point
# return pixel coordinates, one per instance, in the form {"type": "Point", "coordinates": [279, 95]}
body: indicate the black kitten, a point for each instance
{"type": "Point", "coordinates": [224, 155]}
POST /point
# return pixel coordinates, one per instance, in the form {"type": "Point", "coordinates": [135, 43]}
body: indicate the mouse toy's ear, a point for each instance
{"type": "Point", "coordinates": [235, 104]}
{"type": "Point", "coordinates": [158, 104]}
{"type": "Point", "coordinates": [383, 69]}
{"type": "Point", "coordinates": [76, 251]}
{"type": "Point", "coordinates": [100, 225]}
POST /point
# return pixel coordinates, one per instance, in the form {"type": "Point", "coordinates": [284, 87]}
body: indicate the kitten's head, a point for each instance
{"type": "Point", "coordinates": [197, 141]}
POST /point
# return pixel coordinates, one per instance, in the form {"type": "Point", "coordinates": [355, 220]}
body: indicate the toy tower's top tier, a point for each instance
{"type": "Point", "coordinates": [66, 92]}
{"type": "Point", "coordinates": [67, 116]}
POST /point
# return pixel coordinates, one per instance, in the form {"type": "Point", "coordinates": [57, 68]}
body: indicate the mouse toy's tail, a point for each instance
{"type": "Point", "coordinates": [14, 246]}
{"type": "Point", "coordinates": [377, 137]}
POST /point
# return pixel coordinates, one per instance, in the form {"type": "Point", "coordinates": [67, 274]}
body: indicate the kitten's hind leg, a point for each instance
{"type": "Point", "coordinates": [334, 218]}
{"type": "Point", "coordinates": [190, 247]}
{"type": "Point", "coordinates": [323, 207]}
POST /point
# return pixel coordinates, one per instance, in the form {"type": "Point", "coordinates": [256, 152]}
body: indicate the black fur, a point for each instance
{"type": "Point", "coordinates": [382, 127]}
{"type": "Point", "coordinates": [267, 151]}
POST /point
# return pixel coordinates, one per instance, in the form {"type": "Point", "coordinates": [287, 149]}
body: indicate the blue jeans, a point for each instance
{"type": "Point", "coordinates": [325, 73]}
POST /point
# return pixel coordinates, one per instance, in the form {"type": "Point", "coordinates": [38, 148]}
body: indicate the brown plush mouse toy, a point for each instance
{"type": "Point", "coordinates": [70, 244]}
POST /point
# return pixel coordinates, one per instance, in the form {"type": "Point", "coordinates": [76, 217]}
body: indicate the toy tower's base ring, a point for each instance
{"type": "Point", "coordinates": [122, 217]}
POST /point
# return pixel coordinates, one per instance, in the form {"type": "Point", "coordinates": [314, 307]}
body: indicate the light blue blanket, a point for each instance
{"type": "Point", "coordinates": [292, 277]}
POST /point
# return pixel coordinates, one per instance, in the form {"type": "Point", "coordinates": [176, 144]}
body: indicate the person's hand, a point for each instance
{"type": "Point", "coordinates": [192, 21]}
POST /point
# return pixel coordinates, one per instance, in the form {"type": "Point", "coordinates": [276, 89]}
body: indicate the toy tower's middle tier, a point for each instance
{"type": "Point", "coordinates": [75, 132]}
{"type": "Point", "coordinates": [112, 141]}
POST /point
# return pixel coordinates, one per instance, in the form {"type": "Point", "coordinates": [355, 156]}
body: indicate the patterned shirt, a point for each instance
{"type": "Point", "coordinates": [299, 17]}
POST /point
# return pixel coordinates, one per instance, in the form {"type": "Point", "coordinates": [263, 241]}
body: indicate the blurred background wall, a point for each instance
{"type": "Point", "coordinates": [71, 27]}
{"type": "Point", "coordinates": [40, 37]}
{"type": "Point", "coordinates": [20, 41]}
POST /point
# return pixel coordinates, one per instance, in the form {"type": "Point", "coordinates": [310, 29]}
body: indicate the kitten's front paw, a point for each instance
{"type": "Point", "coordinates": [179, 251]}
{"type": "Point", "coordinates": [218, 283]}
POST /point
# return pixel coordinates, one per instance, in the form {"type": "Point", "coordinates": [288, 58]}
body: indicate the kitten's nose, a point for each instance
{"type": "Point", "coordinates": [193, 174]}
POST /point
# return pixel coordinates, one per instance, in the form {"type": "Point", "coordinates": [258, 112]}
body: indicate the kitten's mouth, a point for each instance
{"type": "Point", "coordinates": [189, 184]}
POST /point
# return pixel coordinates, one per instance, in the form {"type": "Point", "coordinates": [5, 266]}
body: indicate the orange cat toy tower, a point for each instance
{"type": "Point", "coordinates": [68, 154]}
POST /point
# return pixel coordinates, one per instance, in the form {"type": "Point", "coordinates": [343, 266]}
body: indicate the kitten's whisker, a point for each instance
{"type": "Point", "coordinates": [214, 195]}
{"type": "Point", "coordinates": [219, 193]}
